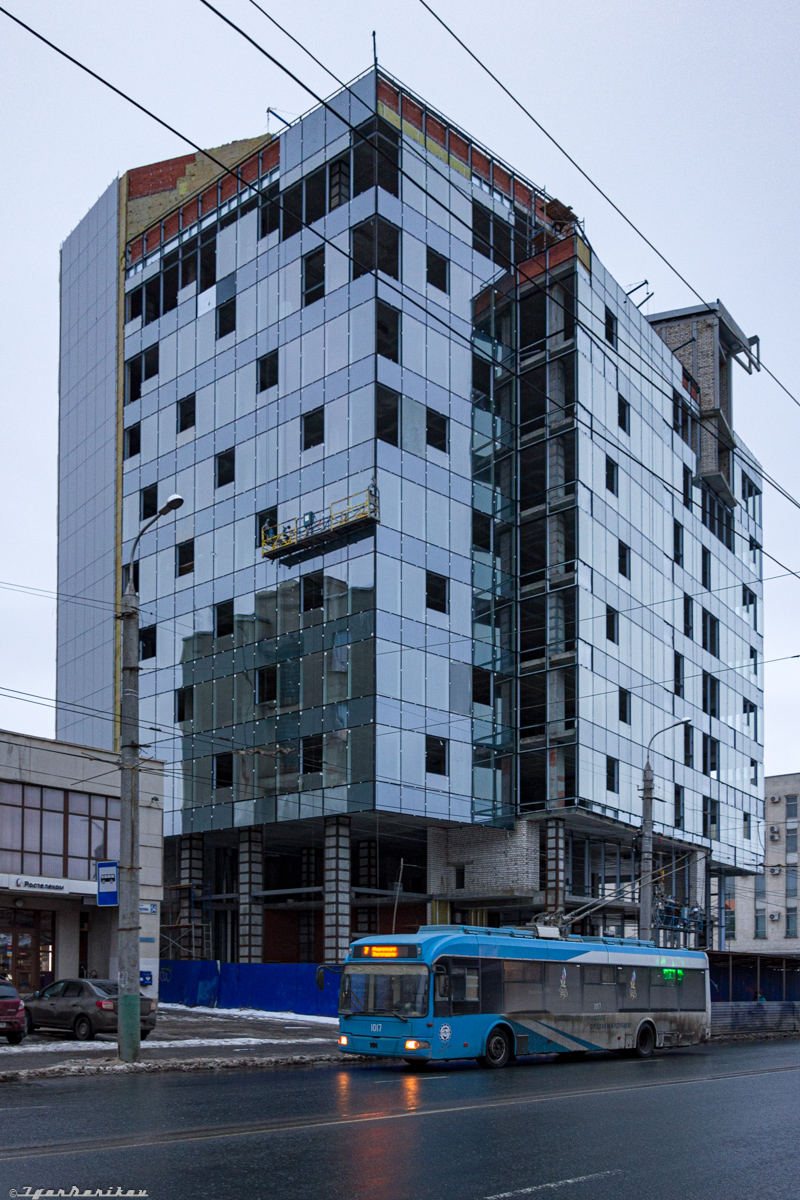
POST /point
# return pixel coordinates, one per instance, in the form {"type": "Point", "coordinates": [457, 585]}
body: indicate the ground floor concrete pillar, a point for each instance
{"type": "Point", "coordinates": [336, 884]}
{"type": "Point", "coordinates": [191, 939]}
{"type": "Point", "coordinates": [555, 866]}
{"type": "Point", "coordinates": [251, 908]}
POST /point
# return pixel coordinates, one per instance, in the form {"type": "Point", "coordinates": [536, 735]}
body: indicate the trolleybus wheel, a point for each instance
{"type": "Point", "coordinates": [498, 1049]}
{"type": "Point", "coordinates": [645, 1041]}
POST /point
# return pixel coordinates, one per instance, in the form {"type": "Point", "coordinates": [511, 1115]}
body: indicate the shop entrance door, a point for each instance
{"type": "Point", "coordinates": [26, 947]}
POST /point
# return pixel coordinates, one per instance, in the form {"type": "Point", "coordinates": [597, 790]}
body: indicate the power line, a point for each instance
{"type": "Point", "coordinates": [586, 176]}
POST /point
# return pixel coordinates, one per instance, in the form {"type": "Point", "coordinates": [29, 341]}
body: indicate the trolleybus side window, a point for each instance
{"type": "Point", "coordinates": [465, 987]}
{"type": "Point", "coordinates": [599, 988]}
{"type": "Point", "coordinates": [563, 987]}
{"type": "Point", "coordinates": [664, 988]}
{"type": "Point", "coordinates": [633, 988]}
{"type": "Point", "coordinates": [524, 986]}
{"type": "Point", "coordinates": [491, 985]}
{"type": "Point", "coordinates": [692, 990]}
{"type": "Point", "coordinates": [441, 989]}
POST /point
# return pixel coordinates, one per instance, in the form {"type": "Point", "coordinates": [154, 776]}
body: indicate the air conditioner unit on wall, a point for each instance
{"type": "Point", "coordinates": [774, 916]}
{"type": "Point", "coordinates": [774, 870]}
{"type": "Point", "coordinates": [775, 799]}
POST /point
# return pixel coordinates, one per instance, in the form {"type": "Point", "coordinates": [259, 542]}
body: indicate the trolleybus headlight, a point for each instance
{"type": "Point", "coordinates": [343, 1039]}
{"type": "Point", "coordinates": [414, 1044]}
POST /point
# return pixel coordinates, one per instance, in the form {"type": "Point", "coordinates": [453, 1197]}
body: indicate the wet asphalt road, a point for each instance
{"type": "Point", "coordinates": [720, 1121]}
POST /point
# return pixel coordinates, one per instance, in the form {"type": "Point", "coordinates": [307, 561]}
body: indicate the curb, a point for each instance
{"type": "Point", "coordinates": [76, 1070]}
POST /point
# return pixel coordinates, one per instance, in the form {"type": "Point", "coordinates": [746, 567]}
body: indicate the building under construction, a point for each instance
{"type": "Point", "coordinates": [462, 531]}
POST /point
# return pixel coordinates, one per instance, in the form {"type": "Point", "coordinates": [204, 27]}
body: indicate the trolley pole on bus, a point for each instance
{"type": "Point", "coordinates": [128, 1002]}
{"type": "Point", "coordinates": [646, 870]}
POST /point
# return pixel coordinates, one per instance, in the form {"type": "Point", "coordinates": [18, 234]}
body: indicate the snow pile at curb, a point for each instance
{"type": "Point", "coordinates": [250, 1014]}
{"type": "Point", "coordinates": [72, 1070]}
{"type": "Point", "coordinates": [155, 1044]}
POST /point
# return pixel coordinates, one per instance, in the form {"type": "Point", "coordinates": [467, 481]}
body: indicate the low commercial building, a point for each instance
{"type": "Point", "coordinates": [59, 817]}
{"type": "Point", "coordinates": [761, 910]}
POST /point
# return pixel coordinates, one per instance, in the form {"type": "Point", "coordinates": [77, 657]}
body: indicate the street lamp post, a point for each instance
{"type": "Point", "coordinates": [128, 1003]}
{"type": "Point", "coordinates": [646, 871]}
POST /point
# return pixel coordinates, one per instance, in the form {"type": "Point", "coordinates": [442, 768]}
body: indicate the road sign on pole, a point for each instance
{"type": "Point", "coordinates": [108, 883]}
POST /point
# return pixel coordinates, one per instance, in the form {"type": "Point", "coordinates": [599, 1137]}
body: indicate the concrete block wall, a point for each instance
{"type": "Point", "coordinates": [496, 862]}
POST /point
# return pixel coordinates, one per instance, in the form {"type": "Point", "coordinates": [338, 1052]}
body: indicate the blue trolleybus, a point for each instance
{"type": "Point", "coordinates": [455, 991]}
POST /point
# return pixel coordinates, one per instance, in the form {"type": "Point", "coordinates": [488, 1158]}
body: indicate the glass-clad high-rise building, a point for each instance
{"type": "Point", "coordinates": [462, 531]}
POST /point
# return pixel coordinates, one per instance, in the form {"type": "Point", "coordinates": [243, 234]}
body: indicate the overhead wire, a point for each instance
{"type": "Point", "coordinates": [515, 100]}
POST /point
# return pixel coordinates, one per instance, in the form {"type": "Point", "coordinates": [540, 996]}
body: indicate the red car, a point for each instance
{"type": "Point", "coordinates": [12, 1013]}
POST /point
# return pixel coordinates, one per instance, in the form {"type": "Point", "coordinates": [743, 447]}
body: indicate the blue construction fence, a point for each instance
{"type": "Point", "coordinates": [274, 987]}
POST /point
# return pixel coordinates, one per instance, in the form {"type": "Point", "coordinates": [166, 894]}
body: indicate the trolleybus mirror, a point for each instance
{"type": "Point", "coordinates": [320, 973]}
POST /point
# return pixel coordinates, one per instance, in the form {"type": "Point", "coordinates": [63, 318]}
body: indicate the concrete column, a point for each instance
{"type": "Point", "coordinates": [336, 893]}
{"type": "Point", "coordinates": [251, 911]}
{"type": "Point", "coordinates": [67, 933]}
{"type": "Point", "coordinates": [191, 890]}
{"type": "Point", "coordinates": [555, 866]}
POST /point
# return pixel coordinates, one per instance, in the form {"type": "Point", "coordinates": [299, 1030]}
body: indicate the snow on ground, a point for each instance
{"type": "Point", "coordinates": [250, 1014]}
{"type": "Point", "coordinates": [27, 1047]}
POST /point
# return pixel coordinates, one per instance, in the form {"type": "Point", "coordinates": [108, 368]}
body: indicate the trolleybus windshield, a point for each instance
{"type": "Point", "coordinates": [380, 988]}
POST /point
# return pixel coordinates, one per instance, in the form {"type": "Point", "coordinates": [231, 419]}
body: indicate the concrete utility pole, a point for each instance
{"type": "Point", "coordinates": [646, 870]}
{"type": "Point", "coordinates": [128, 999]}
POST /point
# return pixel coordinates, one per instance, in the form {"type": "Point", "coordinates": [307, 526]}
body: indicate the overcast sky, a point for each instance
{"type": "Point", "coordinates": [686, 113]}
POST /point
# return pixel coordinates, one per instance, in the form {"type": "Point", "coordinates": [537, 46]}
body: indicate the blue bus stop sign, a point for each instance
{"type": "Point", "coordinates": [108, 883]}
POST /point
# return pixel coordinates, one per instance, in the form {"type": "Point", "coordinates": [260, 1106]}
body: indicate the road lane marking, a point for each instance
{"type": "Point", "coordinates": [544, 1187]}
{"type": "Point", "coordinates": [291, 1125]}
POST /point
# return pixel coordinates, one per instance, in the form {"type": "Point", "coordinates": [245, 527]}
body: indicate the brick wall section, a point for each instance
{"type": "Point", "coordinates": [699, 358]}
{"type": "Point", "coordinates": [496, 862]}
{"type": "Point", "coordinates": [190, 862]}
{"type": "Point", "coordinates": [336, 895]}
{"type": "Point", "coordinates": [157, 177]}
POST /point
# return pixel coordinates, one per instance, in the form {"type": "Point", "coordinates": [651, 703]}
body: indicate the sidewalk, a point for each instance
{"type": "Point", "coordinates": [187, 1033]}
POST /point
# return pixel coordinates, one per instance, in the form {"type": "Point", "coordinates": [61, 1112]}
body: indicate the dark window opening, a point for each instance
{"type": "Point", "coordinates": [481, 530]}
{"type": "Point", "coordinates": [268, 371]}
{"type": "Point", "coordinates": [225, 468]}
{"type": "Point", "coordinates": [710, 633]}
{"type": "Point", "coordinates": [623, 414]}
{"type": "Point", "coordinates": [677, 543]}
{"type": "Point", "coordinates": [611, 327]}
{"type": "Point", "coordinates": [387, 323]}
{"type": "Point", "coordinates": [705, 568]}
{"type": "Point", "coordinates": [436, 430]}
{"type": "Point", "coordinates": [688, 746]}
{"type": "Point", "coordinates": [148, 502]}
{"type": "Point", "coordinates": [292, 207]}
{"type": "Point", "coordinates": [481, 687]}
{"type": "Point", "coordinates": [387, 415]}
{"type": "Point", "coordinates": [223, 619]}
{"type": "Point", "coordinates": [314, 276]}
{"type": "Point", "coordinates": [438, 270]}
{"type": "Point", "coordinates": [147, 642]}
{"type": "Point", "coordinates": [688, 616]}
{"type": "Point", "coordinates": [133, 304]}
{"type": "Point", "coordinates": [624, 706]}
{"type": "Point", "coordinates": [624, 560]}
{"type": "Point", "coordinates": [612, 774]}
{"type": "Point", "coordinates": [687, 487]}
{"type": "Point", "coordinates": [682, 418]}
{"type": "Point", "coordinates": [710, 756]}
{"type": "Point", "coordinates": [184, 557]}
{"type": "Point", "coordinates": [184, 704]}
{"type": "Point", "coordinates": [459, 873]}
{"type": "Point", "coordinates": [189, 262]}
{"type": "Point", "coordinates": [208, 260]}
{"type": "Point", "coordinates": [436, 589]}
{"type": "Point", "coordinates": [132, 441]}
{"type": "Point", "coordinates": [376, 157]}
{"type": "Point", "coordinates": [226, 318]}
{"type": "Point", "coordinates": [678, 686]}
{"type": "Point", "coordinates": [612, 476]}
{"type": "Point", "coordinates": [186, 413]}
{"type": "Point", "coordinates": [612, 624]}
{"type": "Point", "coordinates": [710, 695]}
{"type": "Point", "coordinates": [125, 577]}
{"type": "Point", "coordinates": [152, 299]}
{"type": "Point", "coordinates": [311, 754]}
{"type": "Point", "coordinates": [133, 379]}
{"type": "Point", "coordinates": [677, 813]}
{"type": "Point", "coordinates": [267, 685]}
{"type": "Point", "coordinates": [375, 246]}
{"type": "Point", "coordinates": [316, 195]}
{"type": "Point", "coordinates": [313, 428]}
{"type": "Point", "coordinates": [223, 770]}
{"type": "Point", "coordinates": [710, 818]}
{"type": "Point", "coordinates": [435, 755]}
{"type": "Point", "coordinates": [313, 591]}
{"type": "Point", "coordinates": [716, 516]}
{"type": "Point", "coordinates": [270, 215]}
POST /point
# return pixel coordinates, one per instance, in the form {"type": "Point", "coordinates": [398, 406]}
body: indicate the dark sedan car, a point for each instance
{"type": "Point", "coordinates": [83, 1006]}
{"type": "Point", "coordinates": [12, 1013]}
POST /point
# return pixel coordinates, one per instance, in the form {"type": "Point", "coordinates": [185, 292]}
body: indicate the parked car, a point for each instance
{"type": "Point", "coordinates": [84, 1006]}
{"type": "Point", "coordinates": [12, 1013]}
